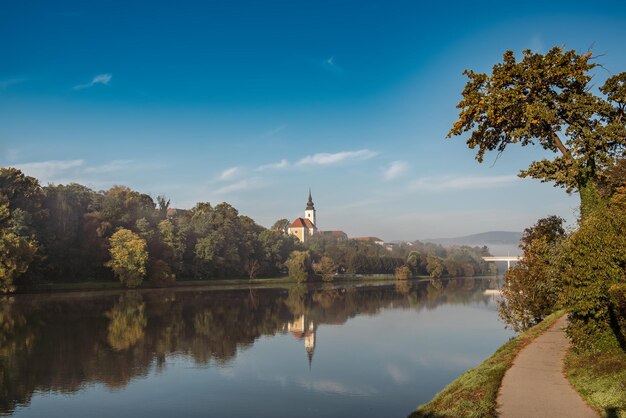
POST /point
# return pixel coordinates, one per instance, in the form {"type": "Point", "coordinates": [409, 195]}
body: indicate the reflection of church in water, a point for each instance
{"type": "Point", "coordinates": [301, 328]}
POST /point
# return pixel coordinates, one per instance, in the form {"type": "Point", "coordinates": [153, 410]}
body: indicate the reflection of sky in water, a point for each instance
{"type": "Point", "coordinates": [372, 365]}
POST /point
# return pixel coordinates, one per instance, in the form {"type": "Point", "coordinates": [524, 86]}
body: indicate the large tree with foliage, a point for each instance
{"type": "Point", "coordinates": [547, 99]}
{"type": "Point", "coordinates": [129, 257]}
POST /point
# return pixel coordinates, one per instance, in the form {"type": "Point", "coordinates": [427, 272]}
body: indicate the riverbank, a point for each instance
{"type": "Point", "coordinates": [600, 377]}
{"type": "Point", "coordinates": [475, 392]}
{"type": "Point", "coordinates": [237, 283]}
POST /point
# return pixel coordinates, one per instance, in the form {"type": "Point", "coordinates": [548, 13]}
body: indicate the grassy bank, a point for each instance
{"type": "Point", "coordinates": [474, 393]}
{"type": "Point", "coordinates": [600, 377]}
{"type": "Point", "coordinates": [235, 283]}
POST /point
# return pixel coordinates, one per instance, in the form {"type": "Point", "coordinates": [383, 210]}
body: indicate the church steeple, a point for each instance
{"type": "Point", "coordinates": [309, 213]}
{"type": "Point", "coordinates": [309, 204]}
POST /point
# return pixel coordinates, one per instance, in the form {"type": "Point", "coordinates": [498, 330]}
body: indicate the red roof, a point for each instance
{"type": "Point", "coordinates": [301, 223]}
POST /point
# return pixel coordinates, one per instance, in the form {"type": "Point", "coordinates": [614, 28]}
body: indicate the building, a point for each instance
{"type": "Point", "coordinates": [338, 235]}
{"type": "Point", "coordinates": [303, 228]}
{"type": "Point", "coordinates": [375, 240]}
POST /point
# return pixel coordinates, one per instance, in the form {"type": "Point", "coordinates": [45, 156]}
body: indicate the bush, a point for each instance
{"type": "Point", "coordinates": [325, 268]}
{"type": "Point", "coordinates": [617, 299]}
{"type": "Point", "coordinates": [403, 273]}
{"type": "Point", "coordinates": [299, 265]}
{"type": "Point", "coordinates": [594, 260]}
{"type": "Point", "coordinates": [161, 274]}
{"type": "Point", "coordinates": [532, 287]}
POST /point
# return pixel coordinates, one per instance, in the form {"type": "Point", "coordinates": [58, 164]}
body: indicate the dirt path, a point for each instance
{"type": "Point", "coordinates": [535, 385]}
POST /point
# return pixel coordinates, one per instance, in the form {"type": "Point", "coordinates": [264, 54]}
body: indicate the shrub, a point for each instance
{"type": "Point", "coordinates": [299, 265]}
{"type": "Point", "coordinates": [532, 287]}
{"type": "Point", "coordinates": [594, 260]}
{"type": "Point", "coordinates": [403, 273]}
{"type": "Point", "coordinates": [325, 268]}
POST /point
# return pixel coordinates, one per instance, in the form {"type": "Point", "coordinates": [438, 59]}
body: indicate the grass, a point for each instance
{"type": "Point", "coordinates": [474, 393]}
{"type": "Point", "coordinates": [600, 377]}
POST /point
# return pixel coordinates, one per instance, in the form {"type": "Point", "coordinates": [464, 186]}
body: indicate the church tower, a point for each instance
{"type": "Point", "coordinates": [309, 213]}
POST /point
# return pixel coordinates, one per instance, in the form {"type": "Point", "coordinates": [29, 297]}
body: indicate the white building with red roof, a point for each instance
{"type": "Point", "coordinates": [303, 228]}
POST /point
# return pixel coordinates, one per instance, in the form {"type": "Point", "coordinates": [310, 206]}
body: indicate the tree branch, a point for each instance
{"type": "Point", "coordinates": [560, 146]}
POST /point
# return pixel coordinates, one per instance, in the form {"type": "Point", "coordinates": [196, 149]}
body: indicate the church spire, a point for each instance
{"type": "Point", "coordinates": [309, 205]}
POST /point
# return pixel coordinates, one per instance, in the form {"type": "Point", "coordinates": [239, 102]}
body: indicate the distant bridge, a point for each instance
{"type": "Point", "coordinates": [507, 258]}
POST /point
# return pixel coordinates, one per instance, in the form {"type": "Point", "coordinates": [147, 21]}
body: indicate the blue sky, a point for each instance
{"type": "Point", "coordinates": [253, 102]}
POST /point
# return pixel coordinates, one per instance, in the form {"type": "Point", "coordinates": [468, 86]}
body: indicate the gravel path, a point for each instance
{"type": "Point", "coordinates": [535, 385]}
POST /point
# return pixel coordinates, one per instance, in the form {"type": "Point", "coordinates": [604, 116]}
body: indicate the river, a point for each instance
{"type": "Point", "coordinates": [366, 350]}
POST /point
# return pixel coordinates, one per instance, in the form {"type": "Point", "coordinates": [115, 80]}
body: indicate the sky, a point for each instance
{"type": "Point", "coordinates": [255, 102]}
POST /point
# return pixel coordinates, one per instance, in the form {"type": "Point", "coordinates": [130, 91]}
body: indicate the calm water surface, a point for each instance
{"type": "Point", "coordinates": [316, 351]}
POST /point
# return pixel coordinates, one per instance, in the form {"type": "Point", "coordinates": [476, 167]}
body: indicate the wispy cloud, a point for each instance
{"type": "Point", "coordinates": [274, 131]}
{"type": "Point", "coordinates": [275, 166]}
{"type": "Point", "coordinates": [330, 65]}
{"type": "Point", "coordinates": [396, 169]}
{"type": "Point", "coordinates": [462, 183]}
{"type": "Point", "coordinates": [103, 79]}
{"type": "Point", "coordinates": [230, 173]}
{"type": "Point", "coordinates": [10, 82]}
{"type": "Point", "coordinates": [110, 167]}
{"type": "Point", "coordinates": [336, 158]}
{"type": "Point", "coordinates": [67, 171]}
{"type": "Point", "coordinates": [239, 186]}
{"type": "Point", "coordinates": [47, 171]}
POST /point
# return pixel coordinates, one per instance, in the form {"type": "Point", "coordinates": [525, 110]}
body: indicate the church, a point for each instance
{"type": "Point", "coordinates": [304, 228]}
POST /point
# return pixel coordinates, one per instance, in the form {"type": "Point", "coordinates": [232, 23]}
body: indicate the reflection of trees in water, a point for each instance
{"type": "Point", "coordinates": [62, 342]}
{"type": "Point", "coordinates": [127, 321]}
{"type": "Point", "coordinates": [403, 287]}
{"type": "Point", "coordinates": [326, 296]}
{"type": "Point", "coordinates": [296, 299]}
{"type": "Point", "coordinates": [17, 339]}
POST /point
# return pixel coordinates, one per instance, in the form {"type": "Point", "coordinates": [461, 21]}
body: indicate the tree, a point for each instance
{"type": "Point", "coordinates": [434, 266]}
{"type": "Point", "coordinates": [547, 99]}
{"type": "Point", "coordinates": [325, 268]}
{"type": "Point", "coordinates": [532, 287]}
{"type": "Point", "coordinates": [280, 225]}
{"type": "Point", "coordinates": [129, 257]}
{"type": "Point", "coordinates": [403, 273]}
{"type": "Point", "coordinates": [15, 257]}
{"type": "Point", "coordinates": [299, 265]}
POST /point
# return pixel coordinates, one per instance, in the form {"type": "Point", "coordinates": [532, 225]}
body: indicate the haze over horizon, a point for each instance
{"type": "Point", "coordinates": [253, 103]}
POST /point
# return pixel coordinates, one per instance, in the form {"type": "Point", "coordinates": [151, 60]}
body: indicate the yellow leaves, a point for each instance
{"type": "Point", "coordinates": [128, 257]}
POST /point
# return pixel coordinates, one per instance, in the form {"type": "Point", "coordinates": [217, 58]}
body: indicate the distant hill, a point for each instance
{"type": "Point", "coordinates": [499, 242]}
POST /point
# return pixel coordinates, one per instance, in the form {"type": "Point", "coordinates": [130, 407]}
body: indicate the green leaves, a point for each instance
{"type": "Point", "coordinates": [546, 100]}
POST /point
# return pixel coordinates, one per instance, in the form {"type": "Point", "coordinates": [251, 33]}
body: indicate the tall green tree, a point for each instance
{"type": "Point", "coordinates": [547, 99]}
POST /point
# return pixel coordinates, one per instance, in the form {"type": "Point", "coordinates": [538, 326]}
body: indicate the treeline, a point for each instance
{"type": "Point", "coordinates": [422, 259]}
{"type": "Point", "coordinates": [71, 233]}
